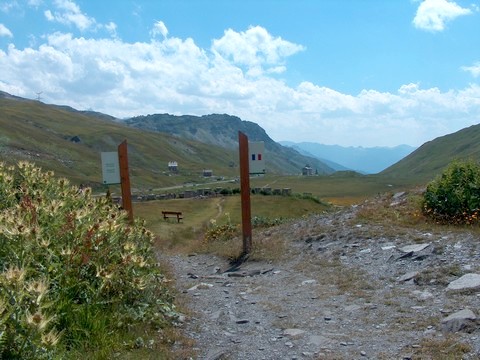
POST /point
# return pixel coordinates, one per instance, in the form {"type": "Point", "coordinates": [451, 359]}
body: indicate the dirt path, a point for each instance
{"type": "Point", "coordinates": [344, 290]}
{"type": "Point", "coordinates": [220, 207]}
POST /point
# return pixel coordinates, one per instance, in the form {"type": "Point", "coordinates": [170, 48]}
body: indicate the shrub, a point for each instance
{"type": "Point", "coordinates": [454, 197]}
{"type": "Point", "coordinates": [224, 232]}
{"type": "Point", "coordinates": [226, 191]}
{"type": "Point", "coordinates": [72, 269]}
{"type": "Point", "coordinates": [265, 222]}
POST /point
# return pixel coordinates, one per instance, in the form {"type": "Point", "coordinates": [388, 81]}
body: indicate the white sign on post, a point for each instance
{"type": "Point", "coordinates": [256, 157]}
{"type": "Point", "coordinates": [110, 168]}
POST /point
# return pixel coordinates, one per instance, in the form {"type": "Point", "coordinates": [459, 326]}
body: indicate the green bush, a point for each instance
{"type": "Point", "coordinates": [221, 232]}
{"type": "Point", "coordinates": [265, 222]}
{"type": "Point", "coordinates": [73, 271]}
{"type": "Point", "coordinates": [454, 197]}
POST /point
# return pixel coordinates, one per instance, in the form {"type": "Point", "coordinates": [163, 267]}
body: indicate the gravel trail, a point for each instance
{"type": "Point", "coordinates": [344, 290]}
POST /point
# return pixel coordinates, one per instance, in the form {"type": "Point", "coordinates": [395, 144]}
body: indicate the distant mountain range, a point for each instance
{"type": "Point", "coordinates": [364, 160]}
{"type": "Point", "coordinates": [222, 130]}
{"type": "Point", "coordinates": [69, 142]}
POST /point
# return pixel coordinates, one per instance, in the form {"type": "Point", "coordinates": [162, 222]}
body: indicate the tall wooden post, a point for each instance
{"type": "Point", "coordinates": [245, 192]}
{"type": "Point", "coordinates": [125, 179]}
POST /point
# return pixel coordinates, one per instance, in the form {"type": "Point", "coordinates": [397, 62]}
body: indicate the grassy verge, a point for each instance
{"type": "Point", "coordinates": [200, 215]}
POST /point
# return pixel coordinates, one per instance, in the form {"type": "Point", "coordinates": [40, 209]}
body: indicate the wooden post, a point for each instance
{"type": "Point", "coordinates": [245, 192]}
{"type": "Point", "coordinates": [125, 179]}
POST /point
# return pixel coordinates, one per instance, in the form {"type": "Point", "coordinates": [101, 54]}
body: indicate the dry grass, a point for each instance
{"type": "Point", "coordinates": [336, 278]}
{"type": "Point", "coordinates": [188, 236]}
{"type": "Point", "coordinates": [448, 348]}
{"type": "Point", "coordinates": [386, 209]}
{"type": "Point", "coordinates": [439, 275]}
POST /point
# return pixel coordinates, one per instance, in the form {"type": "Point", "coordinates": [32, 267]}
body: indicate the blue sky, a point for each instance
{"type": "Point", "coordinates": [347, 72]}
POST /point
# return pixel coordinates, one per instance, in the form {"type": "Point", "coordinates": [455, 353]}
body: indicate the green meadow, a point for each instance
{"type": "Point", "coordinates": [309, 195]}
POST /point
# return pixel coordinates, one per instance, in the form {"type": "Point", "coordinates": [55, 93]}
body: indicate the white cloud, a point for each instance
{"type": "Point", "coordinates": [177, 76]}
{"type": "Point", "coordinates": [255, 48]}
{"type": "Point", "coordinates": [7, 6]}
{"type": "Point", "coordinates": [69, 13]}
{"type": "Point", "coordinates": [159, 28]}
{"type": "Point", "coordinates": [474, 69]}
{"type": "Point", "coordinates": [4, 31]}
{"type": "Point", "coordinates": [111, 28]}
{"type": "Point", "coordinates": [432, 15]}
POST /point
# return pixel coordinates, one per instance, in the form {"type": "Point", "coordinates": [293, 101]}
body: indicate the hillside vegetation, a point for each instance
{"type": "Point", "coordinates": [69, 142]}
{"type": "Point", "coordinates": [45, 134]}
{"type": "Point", "coordinates": [432, 157]}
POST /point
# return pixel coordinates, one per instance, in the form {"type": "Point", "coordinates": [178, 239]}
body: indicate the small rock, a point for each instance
{"type": "Point", "coordinates": [236, 274]}
{"type": "Point", "coordinates": [201, 286]}
{"type": "Point", "coordinates": [466, 282]}
{"type": "Point", "coordinates": [352, 308]}
{"type": "Point", "coordinates": [294, 333]}
{"type": "Point", "coordinates": [408, 276]}
{"type": "Point", "coordinates": [398, 195]}
{"type": "Point", "coordinates": [319, 340]}
{"type": "Point", "coordinates": [461, 320]}
{"type": "Point", "coordinates": [422, 295]}
{"type": "Point", "coordinates": [254, 273]}
{"type": "Point", "coordinates": [414, 248]}
{"type": "Point", "coordinates": [308, 282]}
{"type": "Point", "coordinates": [216, 354]}
{"type": "Point", "coordinates": [266, 271]}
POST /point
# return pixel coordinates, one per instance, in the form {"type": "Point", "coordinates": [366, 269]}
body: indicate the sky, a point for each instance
{"type": "Point", "coordinates": [337, 72]}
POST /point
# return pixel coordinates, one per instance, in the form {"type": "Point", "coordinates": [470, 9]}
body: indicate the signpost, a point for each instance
{"type": "Point", "coordinates": [115, 171]}
{"type": "Point", "coordinates": [125, 179]}
{"type": "Point", "coordinates": [256, 150]}
{"type": "Point", "coordinates": [110, 168]}
{"type": "Point", "coordinates": [245, 192]}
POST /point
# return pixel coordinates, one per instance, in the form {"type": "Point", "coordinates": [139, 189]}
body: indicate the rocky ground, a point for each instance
{"type": "Point", "coordinates": [346, 288]}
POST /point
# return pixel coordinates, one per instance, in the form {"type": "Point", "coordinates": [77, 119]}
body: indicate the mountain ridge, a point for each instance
{"type": "Point", "coordinates": [69, 142]}
{"type": "Point", "coordinates": [433, 156]}
{"type": "Point", "coordinates": [365, 160]}
{"type": "Point", "coordinates": [222, 130]}
{"type": "Point", "coordinates": [45, 134]}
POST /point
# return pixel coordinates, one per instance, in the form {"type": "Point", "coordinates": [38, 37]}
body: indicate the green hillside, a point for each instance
{"type": "Point", "coordinates": [432, 157]}
{"type": "Point", "coordinates": [70, 143]}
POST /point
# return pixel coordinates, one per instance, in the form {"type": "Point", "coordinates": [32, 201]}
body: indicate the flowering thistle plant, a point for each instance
{"type": "Point", "coordinates": [71, 266]}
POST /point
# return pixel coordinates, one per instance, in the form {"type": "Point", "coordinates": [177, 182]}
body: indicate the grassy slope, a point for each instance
{"type": "Point", "coordinates": [198, 213]}
{"type": "Point", "coordinates": [432, 157]}
{"type": "Point", "coordinates": [37, 132]}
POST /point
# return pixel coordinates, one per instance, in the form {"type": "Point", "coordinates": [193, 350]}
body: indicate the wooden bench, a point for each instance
{"type": "Point", "coordinates": [172, 214]}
